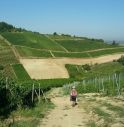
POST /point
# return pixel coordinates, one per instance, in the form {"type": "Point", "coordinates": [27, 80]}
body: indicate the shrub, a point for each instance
{"type": "Point", "coordinates": [121, 60]}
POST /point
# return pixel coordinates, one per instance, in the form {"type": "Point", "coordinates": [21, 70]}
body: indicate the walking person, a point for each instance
{"type": "Point", "coordinates": [73, 96]}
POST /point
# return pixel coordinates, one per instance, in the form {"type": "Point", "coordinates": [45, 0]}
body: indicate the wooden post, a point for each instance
{"type": "Point", "coordinates": [118, 90]}
{"type": "Point", "coordinates": [43, 95]}
{"type": "Point", "coordinates": [6, 82]}
{"type": "Point", "coordinates": [33, 93]}
{"type": "Point", "coordinates": [103, 84]}
{"type": "Point", "coordinates": [39, 92]}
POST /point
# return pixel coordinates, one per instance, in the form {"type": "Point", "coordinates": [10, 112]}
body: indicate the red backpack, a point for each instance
{"type": "Point", "coordinates": [73, 93]}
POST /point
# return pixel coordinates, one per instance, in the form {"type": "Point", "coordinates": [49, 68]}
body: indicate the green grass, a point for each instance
{"type": "Point", "coordinates": [77, 71]}
{"type": "Point", "coordinates": [32, 40]}
{"type": "Point", "coordinates": [71, 55]}
{"type": "Point", "coordinates": [28, 52]}
{"type": "Point", "coordinates": [119, 110]}
{"type": "Point", "coordinates": [32, 116]}
{"type": "Point", "coordinates": [101, 113]}
{"type": "Point", "coordinates": [59, 37]}
{"type": "Point", "coordinates": [20, 72]}
{"type": "Point", "coordinates": [89, 54]}
{"type": "Point", "coordinates": [91, 124]}
{"type": "Point", "coordinates": [26, 123]}
{"type": "Point", "coordinates": [82, 45]}
{"type": "Point", "coordinates": [39, 111]}
{"type": "Point", "coordinates": [106, 52]}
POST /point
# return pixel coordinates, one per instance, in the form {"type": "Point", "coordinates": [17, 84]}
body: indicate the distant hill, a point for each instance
{"type": "Point", "coordinates": [33, 44]}
{"type": "Point", "coordinates": [5, 27]}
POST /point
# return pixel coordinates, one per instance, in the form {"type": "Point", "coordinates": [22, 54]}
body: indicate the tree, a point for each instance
{"type": "Point", "coordinates": [114, 42]}
{"type": "Point", "coordinates": [55, 34]}
{"type": "Point", "coordinates": [121, 60]}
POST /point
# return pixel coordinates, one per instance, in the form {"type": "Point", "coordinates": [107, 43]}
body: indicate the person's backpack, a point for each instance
{"type": "Point", "coordinates": [73, 93]}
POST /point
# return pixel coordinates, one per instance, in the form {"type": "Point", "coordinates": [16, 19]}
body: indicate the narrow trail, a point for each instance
{"type": "Point", "coordinates": [64, 115]}
{"type": "Point", "coordinates": [93, 110]}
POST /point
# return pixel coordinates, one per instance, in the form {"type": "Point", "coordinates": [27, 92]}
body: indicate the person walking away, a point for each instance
{"type": "Point", "coordinates": [73, 96]}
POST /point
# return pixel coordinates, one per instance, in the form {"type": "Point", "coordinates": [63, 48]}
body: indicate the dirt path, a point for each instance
{"type": "Point", "coordinates": [93, 110]}
{"type": "Point", "coordinates": [64, 115]}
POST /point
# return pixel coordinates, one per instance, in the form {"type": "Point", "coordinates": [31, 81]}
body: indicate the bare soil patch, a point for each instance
{"type": "Point", "coordinates": [52, 68]}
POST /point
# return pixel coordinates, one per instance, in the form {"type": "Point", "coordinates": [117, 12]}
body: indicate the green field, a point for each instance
{"type": "Point", "coordinates": [82, 45]}
{"type": "Point", "coordinates": [30, 39]}
{"type": "Point", "coordinates": [30, 44]}
{"type": "Point", "coordinates": [28, 52]}
{"type": "Point", "coordinates": [89, 54]}
{"type": "Point", "coordinates": [106, 52]}
{"type": "Point", "coordinates": [71, 55]}
{"type": "Point", "coordinates": [20, 72]}
{"type": "Point", "coordinates": [78, 71]}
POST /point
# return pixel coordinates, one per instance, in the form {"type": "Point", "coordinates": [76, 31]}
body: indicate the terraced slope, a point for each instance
{"type": "Point", "coordinates": [30, 39]}
{"type": "Point", "coordinates": [82, 45]}
{"type": "Point", "coordinates": [7, 57]}
{"type": "Point", "coordinates": [30, 44]}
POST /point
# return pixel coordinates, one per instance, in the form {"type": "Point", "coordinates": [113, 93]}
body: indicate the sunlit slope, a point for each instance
{"type": "Point", "coordinates": [33, 44]}
{"type": "Point", "coordinates": [30, 39]}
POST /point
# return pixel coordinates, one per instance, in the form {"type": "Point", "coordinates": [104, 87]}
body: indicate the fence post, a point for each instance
{"type": "Point", "coordinates": [39, 92]}
{"type": "Point", "coordinates": [32, 92]}
{"type": "Point", "coordinates": [6, 82]}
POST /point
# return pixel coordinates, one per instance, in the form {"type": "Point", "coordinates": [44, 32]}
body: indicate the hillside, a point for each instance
{"type": "Point", "coordinates": [33, 63]}
{"type": "Point", "coordinates": [5, 27]}
{"type": "Point", "coordinates": [7, 58]}
{"type": "Point", "coordinates": [33, 49]}
{"type": "Point", "coordinates": [30, 44]}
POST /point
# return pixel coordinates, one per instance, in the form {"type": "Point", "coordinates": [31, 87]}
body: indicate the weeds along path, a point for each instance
{"type": "Point", "coordinates": [64, 115]}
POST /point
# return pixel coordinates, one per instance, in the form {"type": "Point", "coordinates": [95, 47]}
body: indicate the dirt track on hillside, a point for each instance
{"type": "Point", "coordinates": [64, 115]}
{"type": "Point", "coordinates": [51, 68]}
{"type": "Point", "coordinates": [84, 114]}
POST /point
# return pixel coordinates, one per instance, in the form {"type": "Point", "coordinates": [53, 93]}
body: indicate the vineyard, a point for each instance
{"type": "Point", "coordinates": [32, 44]}
{"type": "Point", "coordinates": [20, 72]}
{"type": "Point", "coordinates": [30, 39]}
{"type": "Point", "coordinates": [7, 58]}
{"type": "Point", "coordinates": [106, 85]}
{"type": "Point", "coordinates": [83, 71]}
{"type": "Point", "coordinates": [82, 45]}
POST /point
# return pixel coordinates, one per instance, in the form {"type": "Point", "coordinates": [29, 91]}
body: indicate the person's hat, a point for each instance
{"type": "Point", "coordinates": [73, 87]}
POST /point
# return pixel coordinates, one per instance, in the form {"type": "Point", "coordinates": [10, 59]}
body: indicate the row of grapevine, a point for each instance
{"type": "Point", "coordinates": [27, 93]}
{"type": "Point", "coordinates": [112, 85]}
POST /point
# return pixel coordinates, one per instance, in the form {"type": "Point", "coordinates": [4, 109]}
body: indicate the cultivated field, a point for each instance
{"type": "Point", "coordinates": [55, 68]}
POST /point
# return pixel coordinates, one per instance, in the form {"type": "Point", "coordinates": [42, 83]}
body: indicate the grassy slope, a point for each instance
{"type": "Point", "coordinates": [38, 41]}
{"type": "Point", "coordinates": [27, 52]}
{"type": "Point", "coordinates": [77, 71]}
{"type": "Point", "coordinates": [31, 39]}
{"type": "Point", "coordinates": [82, 45]}
{"type": "Point", "coordinates": [89, 54]}
{"type": "Point", "coordinates": [20, 72]}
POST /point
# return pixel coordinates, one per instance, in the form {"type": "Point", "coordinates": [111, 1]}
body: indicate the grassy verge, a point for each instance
{"type": "Point", "coordinates": [119, 110]}
{"type": "Point", "coordinates": [101, 113]}
{"type": "Point", "coordinates": [31, 117]}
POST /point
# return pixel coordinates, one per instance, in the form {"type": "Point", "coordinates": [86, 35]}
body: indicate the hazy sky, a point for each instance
{"type": "Point", "coordinates": [91, 18]}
